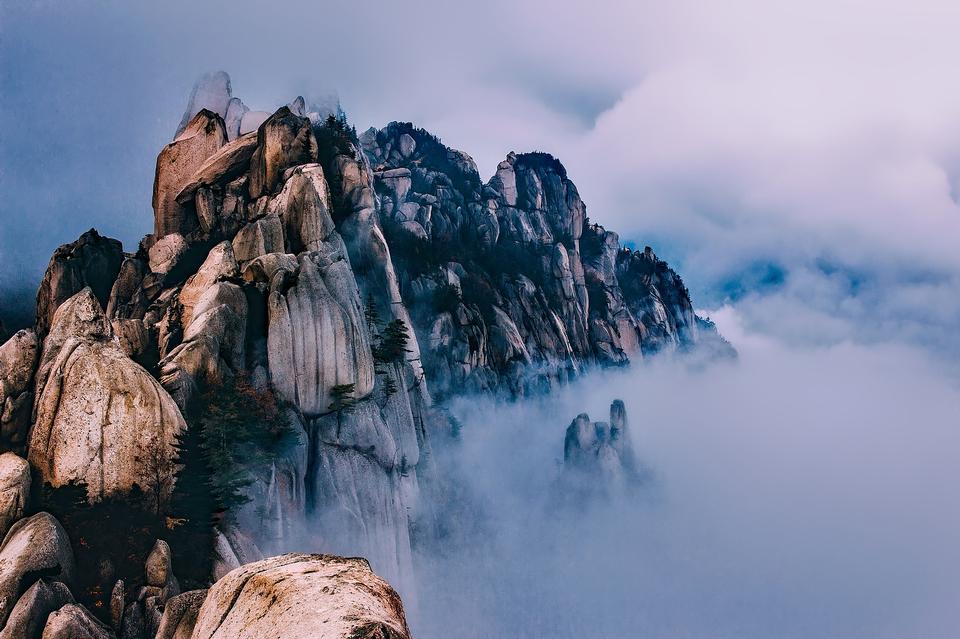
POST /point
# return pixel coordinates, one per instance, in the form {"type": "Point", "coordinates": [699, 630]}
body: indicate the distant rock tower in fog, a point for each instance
{"type": "Point", "coordinates": [598, 457]}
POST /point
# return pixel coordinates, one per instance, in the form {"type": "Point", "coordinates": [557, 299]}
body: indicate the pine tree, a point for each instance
{"type": "Point", "coordinates": [342, 402]}
{"type": "Point", "coordinates": [194, 507]}
{"type": "Point", "coordinates": [393, 345]}
{"type": "Point", "coordinates": [372, 316]}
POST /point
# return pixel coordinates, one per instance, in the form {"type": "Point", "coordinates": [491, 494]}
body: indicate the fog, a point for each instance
{"type": "Point", "coordinates": [794, 493]}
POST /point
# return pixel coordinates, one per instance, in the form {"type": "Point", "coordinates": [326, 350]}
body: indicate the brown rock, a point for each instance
{"type": "Point", "coordinates": [283, 140]}
{"type": "Point", "coordinates": [92, 260]}
{"type": "Point", "coordinates": [176, 165]}
{"type": "Point", "coordinates": [307, 596]}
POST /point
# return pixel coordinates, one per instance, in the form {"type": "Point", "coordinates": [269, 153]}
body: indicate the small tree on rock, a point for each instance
{"type": "Point", "coordinates": [342, 402]}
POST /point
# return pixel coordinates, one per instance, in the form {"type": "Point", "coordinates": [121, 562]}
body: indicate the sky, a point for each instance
{"type": "Point", "coordinates": [798, 163]}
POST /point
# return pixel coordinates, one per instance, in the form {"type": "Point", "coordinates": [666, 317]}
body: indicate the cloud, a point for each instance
{"type": "Point", "coordinates": [797, 493]}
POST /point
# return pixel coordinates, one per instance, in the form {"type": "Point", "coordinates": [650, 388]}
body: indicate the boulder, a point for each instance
{"type": "Point", "coordinates": [73, 621]}
{"type": "Point", "coordinates": [176, 166]}
{"type": "Point", "coordinates": [14, 489]}
{"type": "Point", "coordinates": [228, 163]}
{"type": "Point", "coordinates": [34, 547]}
{"type": "Point", "coordinates": [220, 264]}
{"type": "Point", "coordinates": [18, 362]}
{"type": "Point", "coordinates": [283, 140]}
{"type": "Point", "coordinates": [259, 237]}
{"type": "Point", "coordinates": [317, 334]}
{"type": "Point", "coordinates": [305, 595]}
{"type": "Point", "coordinates": [127, 295]}
{"type": "Point", "coordinates": [99, 415]}
{"type": "Point", "coordinates": [158, 567]}
{"type": "Point", "coordinates": [92, 260]}
{"type": "Point", "coordinates": [212, 91]}
{"type": "Point", "coordinates": [167, 252]}
{"type": "Point", "coordinates": [29, 616]}
{"type": "Point", "coordinates": [304, 207]}
{"type": "Point", "coordinates": [180, 615]}
{"type": "Point", "coordinates": [263, 268]}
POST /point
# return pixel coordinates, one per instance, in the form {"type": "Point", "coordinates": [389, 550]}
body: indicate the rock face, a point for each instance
{"type": "Point", "coordinates": [73, 621]}
{"type": "Point", "coordinates": [14, 489]}
{"type": "Point", "coordinates": [98, 414]}
{"type": "Point", "coordinates": [305, 595]}
{"type": "Point", "coordinates": [176, 165]}
{"type": "Point", "coordinates": [518, 290]}
{"type": "Point", "coordinates": [18, 361]}
{"type": "Point", "coordinates": [92, 261]}
{"type": "Point", "coordinates": [283, 140]}
{"type": "Point", "coordinates": [34, 547]}
{"type": "Point", "coordinates": [353, 280]}
{"type": "Point", "coordinates": [29, 616]}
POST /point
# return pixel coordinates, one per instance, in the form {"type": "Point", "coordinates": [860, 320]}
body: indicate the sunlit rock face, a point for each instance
{"type": "Point", "coordinates": [97, 412]}
{"type": "Point", "coordinates": [306, 596]}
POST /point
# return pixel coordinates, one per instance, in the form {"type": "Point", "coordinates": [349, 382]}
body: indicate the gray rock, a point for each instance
{"type": "Point", "coordinates": [33, 547]}
{"type": "Point", "coordinates": [167, 252]}
{"type": "Point", "coordinates": [304, 207]}
{"type": "Point", "coordinates": [233, 118]}
{"type": "Point", "coordinates": [259, 237]}
{"type": "Point", "coordinates": [229, 162]}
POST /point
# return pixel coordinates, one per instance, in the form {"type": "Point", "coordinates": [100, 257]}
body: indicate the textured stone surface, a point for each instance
{"type": "Point", "coordinates": [304, 207]}
{"type": "Point", "coordinates": [97, 412]}
{"type": "Point", "coordinates": [14, 489]}
{"type": "Point", "coordinates": [307, 596]}
{"type": "Point", "coordinates": [176, 166]}
{"type": "Point", "coordinates": [318, 337]}
{"type": "Point", "coordinates": [29, 616]}
{"type": "Point", "coordinates": [92, 260]}
{"type": "Point", "coordinates": [33, 547]}
{"type": "Point", "coordinates": [259, 237]}
{"type": "Point", "coordinates": [283, 140]}
{"type": "Point", "coordinates": [73, 621]}
{"type": "Point", "coordinates": [228, 163]}
{"type": "Point", "coordinates": [18, 361]}
{"type": "Point", "coordinates": [180, 615]}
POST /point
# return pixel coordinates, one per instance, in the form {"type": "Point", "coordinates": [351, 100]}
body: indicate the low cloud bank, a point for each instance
{"type": "Point", "coordinates": [796, 493]}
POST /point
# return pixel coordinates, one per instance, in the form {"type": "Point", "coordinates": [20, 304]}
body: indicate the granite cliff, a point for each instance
{"type": "Point", "coordinates": [350, 283]}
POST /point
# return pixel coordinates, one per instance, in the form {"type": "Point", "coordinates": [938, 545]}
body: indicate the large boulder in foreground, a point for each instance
{"type": "Point", "coordinates": [100, 417]}
{"type": "Point", "coordinates": [301, 596]}
{"type": "Point", "coordinates": [34, 547]}
{"type": "Point", "coordinates": [92, 260]}
{"type": "Point", "coordinates": [176, 166]}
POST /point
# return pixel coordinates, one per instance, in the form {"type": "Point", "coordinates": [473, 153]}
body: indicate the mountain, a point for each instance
{"type": "Point", "coordinates": [266, 371]}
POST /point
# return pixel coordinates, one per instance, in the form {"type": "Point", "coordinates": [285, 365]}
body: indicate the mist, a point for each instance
{"type": "Point", "coordinates": [792, 493]}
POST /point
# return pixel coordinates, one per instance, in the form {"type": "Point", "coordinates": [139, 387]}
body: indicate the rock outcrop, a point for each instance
{"type": "Point", "coordinates": [34, 547]}
{"type": "Point", "coordinates": [29, 615]}
{"type": "Point", "coordinates": [305, 595]}
{"type": "Point", "coordinates": [18, 362]}
{"type": "Point", "coordinates": [73, 621]}
{"type": "Point", "coordinates": [91, 261]}
{"type": "Point", "coordinates": [14, 489]}
{"type": "Point", "coordinates": [176, 165]}
{"type": "Point", "coordinates": [98, 414]}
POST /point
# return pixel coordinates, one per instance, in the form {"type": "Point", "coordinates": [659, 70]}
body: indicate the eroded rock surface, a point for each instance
{"type": "Point", "coordinates": [14, 489]}
{"type": "Point", "coordinates": [307, 596]}
{"type": "Point", "coordinates": [98, 414]}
